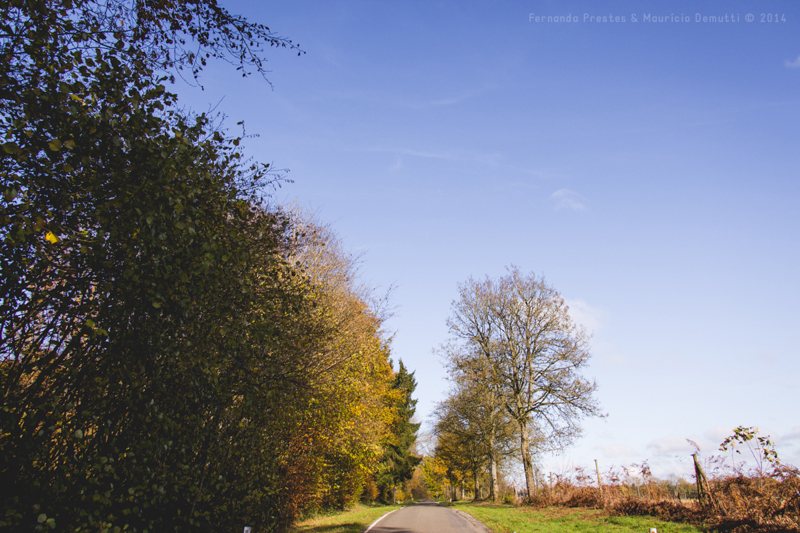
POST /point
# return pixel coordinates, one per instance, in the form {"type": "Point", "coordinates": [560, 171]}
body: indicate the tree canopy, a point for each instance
{"type": "Point", "coordinates": [170, 357]}
{"type": "Point", "coordinates": [399, 460]}
{"type": "Point", "coordinates": [473, 428]}
{"type": "Point", "coordinates": [520, 330]}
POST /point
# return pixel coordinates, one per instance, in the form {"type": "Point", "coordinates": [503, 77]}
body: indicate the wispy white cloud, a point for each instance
{"type": "Point", "coordinates": [615, 359]}
{"type": "Point", "coordinates": [490, 159]}
{"type": "Point", "coordinates": [414, 153]}
{"type": "Point", "coordinates": [717, 434]}
{"type": "Point", "coordinates": [467, 95]}
{"type": "Point", "coordinates": [793, 434]}
{"type": "Point", "coordinates": [617, 450]}
{"type": "Point", "coordinates": [670, 446]}
{"type": "Point", "coordinates": [793, 64]}
{"type": "Point", "coordinates": [402, 100]}
{"type": "Point", "coordinates": [398, 163]}
{"type": "Point", "coordinates": [417, 102]}
{"type": "Point", "coordinates": [493, 160]}
{"type": "Point", "coordinates": [591, 318]}
{"type": "Point", "coordinates": [567, 199]}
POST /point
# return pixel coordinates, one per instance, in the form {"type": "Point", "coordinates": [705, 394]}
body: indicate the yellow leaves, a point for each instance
{"type": "Point", "coordinates": [10, 148]}
{"type": "Point", "coordinates": [50, 236]}
{"type": "Point", "coordinates": [55, 145]}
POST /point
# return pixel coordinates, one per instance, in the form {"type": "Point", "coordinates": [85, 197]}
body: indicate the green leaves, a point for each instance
{"type": "Point", "coordinates": [43, 520]}
{"type": "Point", "coordinates": [184, 410]}
{"type": "Point", "coordinates": [10, 148]}
{"type": "Point", "coordinates": [760, 448]}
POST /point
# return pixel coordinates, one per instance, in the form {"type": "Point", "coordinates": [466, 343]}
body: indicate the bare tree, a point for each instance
{"type": "Point", "coordinates": [521, 328]}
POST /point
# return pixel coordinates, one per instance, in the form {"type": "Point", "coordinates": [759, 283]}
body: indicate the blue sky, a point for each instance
{"type": "Point", "coordinates": [649, 170]}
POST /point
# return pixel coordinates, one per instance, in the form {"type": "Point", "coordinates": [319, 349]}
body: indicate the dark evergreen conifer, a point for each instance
{"type": "Point", "coordinates": [399, 460]}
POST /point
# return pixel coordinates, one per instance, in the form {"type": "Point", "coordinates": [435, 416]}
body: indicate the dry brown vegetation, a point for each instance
{"type": "Point", "coordinates": [739, 504]}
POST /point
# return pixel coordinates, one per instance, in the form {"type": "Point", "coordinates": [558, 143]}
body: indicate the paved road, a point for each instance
{"type": "Point", "coordinates": [427, 517]}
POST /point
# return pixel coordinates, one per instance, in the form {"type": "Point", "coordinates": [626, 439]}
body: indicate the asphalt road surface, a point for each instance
{"type": "Point", "coordinates": [427, 517]}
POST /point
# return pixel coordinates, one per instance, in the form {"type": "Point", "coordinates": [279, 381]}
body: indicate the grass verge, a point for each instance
{"type": "Point", "coordinates": [510, 519]}
{"type": "Point", "coordinates": [352, 520]}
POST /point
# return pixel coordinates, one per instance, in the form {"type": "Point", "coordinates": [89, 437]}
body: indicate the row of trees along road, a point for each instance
{"type": "Point", "coordinates": [175, 354]}
{"type": "Point", "coordinates": [515, 361]}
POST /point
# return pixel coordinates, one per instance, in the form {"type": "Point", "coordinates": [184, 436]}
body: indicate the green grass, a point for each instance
{"type": "Point", "coordinates": [352, 520]}
{"type": "Point", "coordinates": [509, 519]}
{"type": "Point", "coordinates": [503, 519]}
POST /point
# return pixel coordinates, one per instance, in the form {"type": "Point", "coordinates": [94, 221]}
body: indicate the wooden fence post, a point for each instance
{"type": "Point", "coordinates": [703, 488]}
{"type": "Point", "coordinates": [599, 484]}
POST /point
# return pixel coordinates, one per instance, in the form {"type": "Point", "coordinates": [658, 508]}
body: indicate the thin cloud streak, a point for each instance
{"type": "Point", "coordinates": [793, 64]}
{"type": "Point", "coordinates": [567, 199]}
{"type": "Point", "coordinates": [591, 318]}
{"type": "Point", "coordinates": [468, 95]}
{"type": "Point", "coordinates": [414, 153]}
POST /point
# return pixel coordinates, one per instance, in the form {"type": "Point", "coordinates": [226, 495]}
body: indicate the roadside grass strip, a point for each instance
{"type": "Point", "coordinates": [354, 520]}
{"type": "Point", "coordinates": [510, 519]}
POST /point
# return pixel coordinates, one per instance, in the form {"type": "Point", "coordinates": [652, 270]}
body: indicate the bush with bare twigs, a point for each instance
{"type": "Point", "coordinates": [765, 499]}
{"type": "Point", "coordinates": [766, 503]}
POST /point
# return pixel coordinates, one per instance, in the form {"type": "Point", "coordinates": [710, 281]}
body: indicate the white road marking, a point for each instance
{"type": "Point", "coordinates": [378, 520]}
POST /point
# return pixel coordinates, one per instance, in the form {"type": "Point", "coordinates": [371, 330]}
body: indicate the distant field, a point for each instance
{"type": "Point", "coordinates": [509, 519]}
{"type": "Point", "coordinates": [352, 520]}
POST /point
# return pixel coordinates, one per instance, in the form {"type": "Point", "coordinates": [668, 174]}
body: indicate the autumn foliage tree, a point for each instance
{"type": "Point", "coordinates": [520, 329]}
{"type": "Point", "coordinates": [474, 431]}
{"type": "Point", "coordinates": [167, 362]}
{"type": "Point", "coordinates": [350, 357]}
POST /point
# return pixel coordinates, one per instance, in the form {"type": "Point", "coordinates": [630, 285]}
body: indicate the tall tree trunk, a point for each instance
{"type": "Point", "coordinates": [527, 463]}
{"type": "Point", "coordinates": [476, 474]}
{"type": "Point", "coordinates": [494, 490]}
